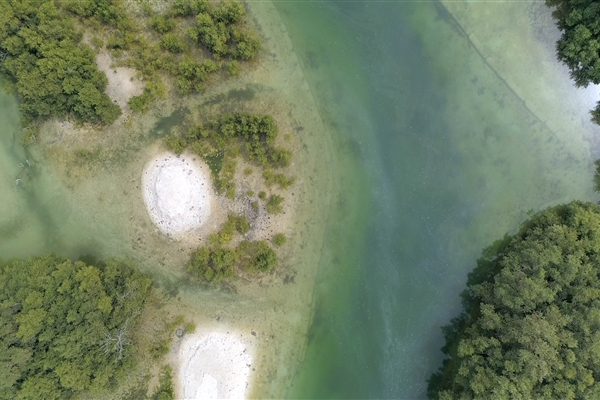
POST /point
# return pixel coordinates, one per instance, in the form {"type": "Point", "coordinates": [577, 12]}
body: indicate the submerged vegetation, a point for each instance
{"type": "Point", "coordinates": [67, 327]}
{"type": "Point", "coordinates": [532, 313]}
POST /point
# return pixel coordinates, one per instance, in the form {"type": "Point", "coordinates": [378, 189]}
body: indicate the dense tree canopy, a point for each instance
{"type": "Point", "coordinates": [531, 328]}
{"type": "Point", "coordinates": [65, 326]}
{"type": "Point", "coordinates": [52, 73]}
{"type": "Point", "coordinates": [579, 46]}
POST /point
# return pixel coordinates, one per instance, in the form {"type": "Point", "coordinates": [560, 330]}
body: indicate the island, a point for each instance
{"type": "Point", "coordinates": [186, 133]}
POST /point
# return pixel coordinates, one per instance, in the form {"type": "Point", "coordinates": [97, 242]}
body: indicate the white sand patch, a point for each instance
{"type": "Point", "coordinates": [122, 82]}
{"type": "Point", "coordinates": [214, 366]}
{"type": "Point", "coordinates": [177, 192]}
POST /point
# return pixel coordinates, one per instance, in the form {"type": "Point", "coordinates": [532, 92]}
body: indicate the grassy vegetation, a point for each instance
{"type": "Point", "coordinates": [165, 389]}
{"type": "Point", "coordinates": [279, 239]}
{"type": "Point", "coordinates": [283, 181]}
{"type": "Point", "coordinates": [183, 47]}
{"type": "Point", "coordinates": [275, 204]}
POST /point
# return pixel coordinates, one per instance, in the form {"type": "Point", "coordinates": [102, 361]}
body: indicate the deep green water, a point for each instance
{"type": "Point", "coordinates": [452, 161]}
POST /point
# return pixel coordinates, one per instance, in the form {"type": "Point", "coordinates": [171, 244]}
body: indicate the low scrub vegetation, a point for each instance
{"type": "Point", "coordinates": [216, 262]}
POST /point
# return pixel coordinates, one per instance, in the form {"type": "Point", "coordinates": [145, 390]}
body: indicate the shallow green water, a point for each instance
{"type": "Point", "coordinates": [436, 159]}
{"type": "Point", "coordinates": [453, 161]}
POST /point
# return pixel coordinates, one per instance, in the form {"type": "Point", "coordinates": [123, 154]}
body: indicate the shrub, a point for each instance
{"type": "Point", "coordinates": [199, 261]}
{"type": "Point", "coordinates": [173, 43]}
{"type": "Point", "coordinates": [214, 35]}
{"type": "Point", "coordinates": [264, 258]}
{"type": "Point", "coordinates": [142, 102]}
{"type": "Point", "coordinates": [233, 68]}
{"type": "Point", "coordinates": [161, 23]}
{"type": "Point", "coordinates": [240, 222]}
{"type": "Point", "coordinates": [274, 205]}
{"type": "Point", "coordinates": [279, 239]}
{"type": "Point", "coordinates": [175, 143]}
{"type": "Point", "coordinates": [247, 46]}
{"type": "Point", "coordinates": [211, 264]}
{"type": "Point", "coordinates": [229, 12]}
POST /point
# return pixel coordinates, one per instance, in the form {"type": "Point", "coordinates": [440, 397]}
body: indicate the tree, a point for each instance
{"type": "Point", "coordinates": [52, 72]}
{"type": "Point", "coordinates": [64, 326]}
{"type": "Point", "coordinates": [532, 315]}
{"type": "Point", "coordinates": [579, 45]}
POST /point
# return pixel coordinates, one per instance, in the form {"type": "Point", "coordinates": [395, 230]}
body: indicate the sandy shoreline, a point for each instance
{"type": "Point", "coordinates": [276, 312]}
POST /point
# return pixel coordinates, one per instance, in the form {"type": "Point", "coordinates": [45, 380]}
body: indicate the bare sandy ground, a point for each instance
{"type": "Point", "coordinates": [215, 364]}
{"type": "Point", "coordinates": [177, 191]}
{"type": "Point", "coordinates": [122, 82]}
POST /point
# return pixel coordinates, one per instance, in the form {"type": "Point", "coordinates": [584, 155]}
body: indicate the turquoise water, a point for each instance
{"type": "Point", "coordinates": [452, 161]}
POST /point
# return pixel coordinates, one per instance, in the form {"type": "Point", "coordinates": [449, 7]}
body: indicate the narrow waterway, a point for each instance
{"type": "Point", "coordinates": [454, 161]}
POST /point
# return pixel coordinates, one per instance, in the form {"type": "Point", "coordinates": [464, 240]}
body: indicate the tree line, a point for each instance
{"type": "Point", "coordinates": [531, 320]}
{"type": "Point", "coordinates": [530, 323]}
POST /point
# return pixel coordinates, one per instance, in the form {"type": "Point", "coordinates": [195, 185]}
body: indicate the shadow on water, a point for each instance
{"type": "Point", "coordinates": [164, 125]}
{"type": "Point", "coordinates": [215, 162]}
{"type": "Point", "coordinates": [246, 94]}
{"type": "Point", "coordinates": [235, 95]}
